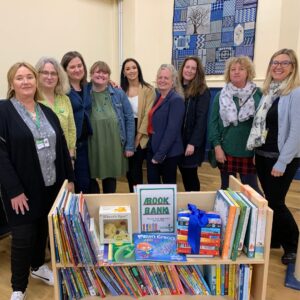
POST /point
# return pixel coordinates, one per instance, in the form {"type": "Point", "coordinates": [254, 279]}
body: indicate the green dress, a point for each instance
{"type": "Point", "coordinates": [106, 156]}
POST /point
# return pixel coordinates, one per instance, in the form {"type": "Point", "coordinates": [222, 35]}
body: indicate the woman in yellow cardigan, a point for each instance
{"type": "Point", "coordinates": [141, 96]}
{"type": "Point", "coordinates": [54, 85]}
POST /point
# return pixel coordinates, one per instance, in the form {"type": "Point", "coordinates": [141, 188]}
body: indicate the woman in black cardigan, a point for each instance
{"type": "Point", "coordinates": [34, 162]}
{"type": "Point", "coordinates": [197, 98]}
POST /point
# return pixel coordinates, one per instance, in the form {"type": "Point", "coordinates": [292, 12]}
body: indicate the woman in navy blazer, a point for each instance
{"type": "Point", "coordinates": [80, 97]}
{"type": "Point", "coordinates": [164, 128]}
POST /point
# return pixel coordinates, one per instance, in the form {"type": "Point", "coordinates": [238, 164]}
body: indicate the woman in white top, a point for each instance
{"type": "Point", "coordinates": [141, 96]}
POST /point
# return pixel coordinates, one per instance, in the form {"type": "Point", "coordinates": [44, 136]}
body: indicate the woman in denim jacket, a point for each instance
{"type": "Point", "coordinates": [112, 121]}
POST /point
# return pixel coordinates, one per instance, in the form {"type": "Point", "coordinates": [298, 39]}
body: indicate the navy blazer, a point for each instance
{"type": "Point", "coordinates": [81, 108]}
{"type": "Point", "coordinates": [166, 140]}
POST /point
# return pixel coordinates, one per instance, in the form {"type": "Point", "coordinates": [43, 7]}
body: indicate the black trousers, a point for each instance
{"type": "Point", "coordinates": [190, 179]}
{"type": "Point", "coordinates": [164, 172]}
{"type": "Point", "coordinates": [285, 230]}
{"type": "Point", "coordinates": [109, 185]}
{"type": "Point", "coordinates": [27, 250]}
{"type": "Point", "coordinates": [135, 172]}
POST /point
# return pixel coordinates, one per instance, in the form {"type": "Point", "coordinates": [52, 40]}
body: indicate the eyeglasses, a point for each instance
{"type": "Point", "coordinates": [283, 64]}
{"type": "Point", "coordinates": [47, 74]}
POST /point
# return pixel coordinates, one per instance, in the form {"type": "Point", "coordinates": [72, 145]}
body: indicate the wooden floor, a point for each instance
{"type": "Point", "coordinates": [209, 181]}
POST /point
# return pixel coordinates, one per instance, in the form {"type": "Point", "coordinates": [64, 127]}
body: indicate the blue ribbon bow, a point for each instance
{"type": "Point", "coordinates": [198, 219]}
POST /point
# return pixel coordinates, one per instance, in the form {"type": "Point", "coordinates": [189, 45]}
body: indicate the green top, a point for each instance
{"type": "Point", "coordinates": [233, 139]}
{"type": "Point", "coordinates": [106, 156]}
{"type": "Point", "coordinates": [63, 109]}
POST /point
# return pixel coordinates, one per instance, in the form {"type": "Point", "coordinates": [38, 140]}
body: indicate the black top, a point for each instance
{"type": "Point", "coordinates": [271, 144]}
{"type": "Point", "coordinates": [20, 170]}
{"type": "Point", "coordinates": [195, 127]}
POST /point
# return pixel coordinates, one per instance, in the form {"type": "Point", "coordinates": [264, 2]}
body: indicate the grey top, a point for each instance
{"type": "Point", "coordinates": [288, 129]}
{"type": "Point", "coordinates": [44, 137]}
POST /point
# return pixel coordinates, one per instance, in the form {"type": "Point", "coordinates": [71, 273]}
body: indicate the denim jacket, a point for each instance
{"type": "Point", "coordinates": [125, 117]}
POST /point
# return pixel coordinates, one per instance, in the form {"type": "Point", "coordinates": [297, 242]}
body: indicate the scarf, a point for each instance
{"type": "Point", "coordinates": [258, 131]}
{"type": "Point", "coordinates": [229, 112]}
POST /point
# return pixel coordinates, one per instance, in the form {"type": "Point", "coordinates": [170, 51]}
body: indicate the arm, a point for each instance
{"type": "Point", "coordinates": [215, 132]}
{"type": "Point", "coordinates": [129, 125]}
{"type": "Point", "coordinates": [292, 143]}
{"type": "Point", "coordinates": [172, 129]}
{"type": "Point", "coordinates": [72, 128]}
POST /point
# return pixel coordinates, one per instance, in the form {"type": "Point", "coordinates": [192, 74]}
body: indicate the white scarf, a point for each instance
{"type": "Point", "coordinates": [258, 131]}
{"type": "Point", "coordinates": [228, 109]}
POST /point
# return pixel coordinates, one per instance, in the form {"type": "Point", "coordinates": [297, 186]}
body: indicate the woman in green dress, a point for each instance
{"type": "Point", "coordinates": [112, 121]}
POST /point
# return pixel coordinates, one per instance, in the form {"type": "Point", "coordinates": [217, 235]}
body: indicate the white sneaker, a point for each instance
{"type": "Point", "coordinates": [43, 273]}
{"type": "Point", "coordinates": [18, 296]}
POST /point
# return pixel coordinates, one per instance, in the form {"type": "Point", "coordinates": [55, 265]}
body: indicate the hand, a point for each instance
{"type": "Point", "coordinates": [70, 187]}
{"type": "Point", "coordinates": [114, 84]}
{"type": "Point", "coordinates": [19, 204]}
{"type": "Point", "coordinates": [137, 140]}
{"type": "Point", "coordinates": [128, 153]}
{"type": "Point", "coordinates": [154, 161]}
{"type": "Point", "coordinates": [276, 173]}
{"type": "Point", "coordinates": [220, 155]}
{"type": "Point", "coordinates": [190, 149]}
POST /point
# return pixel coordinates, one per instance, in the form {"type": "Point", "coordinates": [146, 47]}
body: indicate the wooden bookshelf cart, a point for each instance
{"type": "Point", "coordinates": [204, 201]}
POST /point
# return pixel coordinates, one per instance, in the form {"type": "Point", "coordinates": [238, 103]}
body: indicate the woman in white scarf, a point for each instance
{"type": "Point", "coordinates": [231, 119]}
{"type": "Point", "coordinates": [276, 139]}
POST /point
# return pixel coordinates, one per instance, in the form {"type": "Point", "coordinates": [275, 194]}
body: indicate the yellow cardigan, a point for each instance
{"type": "Point", "coordinates": [63, 109]}
{"type": "Point", "coordinates": [146, 97]}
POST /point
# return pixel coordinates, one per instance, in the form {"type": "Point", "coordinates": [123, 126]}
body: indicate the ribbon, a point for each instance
{"type": "Point", "coordinates": [198, 219]}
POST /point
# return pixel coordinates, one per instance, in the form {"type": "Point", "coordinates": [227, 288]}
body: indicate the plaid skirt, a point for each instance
{"type": "Point", "coordinates": [241, 165]}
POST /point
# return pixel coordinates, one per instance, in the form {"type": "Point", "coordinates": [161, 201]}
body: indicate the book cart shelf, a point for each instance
{"type": "Point", "coordinates": [204, 201]}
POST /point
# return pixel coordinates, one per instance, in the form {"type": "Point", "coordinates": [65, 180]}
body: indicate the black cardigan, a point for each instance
{"type": "Point", "coordinates": [195, 127]}
{"type": "Point", "coordinates": [20, 170]}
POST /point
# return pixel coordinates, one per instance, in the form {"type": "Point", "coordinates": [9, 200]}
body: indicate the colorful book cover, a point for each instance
{"type": "Point", "coordinates": [227, 210]}
{"type": "Point", "coordinates": [156, 247]}
{"type": "Point", "coordinates": [121, 252]}
{"type": "Point", "coordinates": [260, 232]}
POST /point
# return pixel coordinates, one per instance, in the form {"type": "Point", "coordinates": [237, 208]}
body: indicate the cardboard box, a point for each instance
{"type": "Point", "coordinates": [115, 224]}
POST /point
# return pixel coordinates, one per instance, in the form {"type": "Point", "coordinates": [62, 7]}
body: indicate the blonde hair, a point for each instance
{"type": "Point", "coordinates": [63, 86]}
{"type": "Point", "coordinates": [176, 83]}
{"type": "Point", "coordinates": [10, 78]}
{"type": "Point", "coordinates": [101, 66]}
{"type": "Point", "coordinates": [244, 61]}
{"type": "Point", "coordinates": [292, 80]}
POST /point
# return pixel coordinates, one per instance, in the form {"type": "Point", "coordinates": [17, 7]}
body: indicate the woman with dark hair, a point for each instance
{"type": "Point", "coordinates": [197, 98]}
{"type": "Point", "coordinates": [276, 140]}
{"type": "Point", "coordinates": [141, 96]}
{"type": "Point", "coordinates": [80, 96]}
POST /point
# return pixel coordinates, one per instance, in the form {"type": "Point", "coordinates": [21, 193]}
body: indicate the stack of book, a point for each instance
{"type": "Point", "coordinates": [210, 235]}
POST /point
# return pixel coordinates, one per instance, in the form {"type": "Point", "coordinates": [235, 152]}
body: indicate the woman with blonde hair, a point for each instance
{"type": "Point", "coordinates": [231, 119]}
{"type": "Point", "coordinates": [34, 162]}
{"type": "Point", "coordinates": [53, 83]}
{"type": "Point", "coordinates": [164, 127]}
{"type": "Point", "coordinates": [276, 140]}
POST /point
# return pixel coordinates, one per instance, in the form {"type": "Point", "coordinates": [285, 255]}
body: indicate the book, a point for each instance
{"type": "Point", "coordinates": [241, 226]}
{"type": "Point", "coordinates": [227, 210]}
{"type": "Point", "coordinates": [210, 277]}
{"type": "Point", "coordinates": [260, 232]}
{"type": "Point", "coordinates": [157, 208]}
{"type": "Point", "coordinates": [121, 252]}
{"type": "Point", "coordinates": [156, 247]}
{"type": "Point", "coordinates": [249, 242]}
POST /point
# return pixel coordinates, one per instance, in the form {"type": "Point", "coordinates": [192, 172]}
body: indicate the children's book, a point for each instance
{"type": "Point", "coordinates": [156, 247]}
{"type": "Point", "coordinates": [121, 252]}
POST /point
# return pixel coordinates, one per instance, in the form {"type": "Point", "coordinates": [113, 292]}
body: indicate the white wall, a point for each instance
{"type": "Point", "coordinates": [30, 29]}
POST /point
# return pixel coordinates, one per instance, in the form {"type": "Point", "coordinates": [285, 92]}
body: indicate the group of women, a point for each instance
{"type": "Point", "coordinates": [56, 125]}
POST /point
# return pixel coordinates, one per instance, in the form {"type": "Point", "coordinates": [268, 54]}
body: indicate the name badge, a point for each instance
{"type": "Point", "coordinates": [42, 143]}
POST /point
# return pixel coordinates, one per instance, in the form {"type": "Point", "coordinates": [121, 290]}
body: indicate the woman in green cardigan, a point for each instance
{"type": "Point", "coordinates": [231, 120]}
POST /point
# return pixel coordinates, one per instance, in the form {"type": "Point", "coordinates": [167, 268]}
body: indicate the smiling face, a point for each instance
{"type": "Point", "coordinates": [131, 71]}
{"type": "Point", "coordinates": [164, 81]}
{"type": "Point", "coordinates": [189, 71]}
{"type": "Point", "coordinates": [24, 84]}
{"type": "Point", "coordinates": [281, 67]}
{"type": "Point", "coordinates": [75, 70]}
{"type": "Point", "coordinates": [238, 75]}
{"type": "Point", "coordinates": [100, 78]}
{"type": "Point", "coordinates": [48, 77]}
